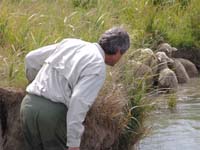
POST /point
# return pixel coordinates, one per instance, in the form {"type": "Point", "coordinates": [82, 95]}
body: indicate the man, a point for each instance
{"type": "Point", "coordinates": [65, 80]}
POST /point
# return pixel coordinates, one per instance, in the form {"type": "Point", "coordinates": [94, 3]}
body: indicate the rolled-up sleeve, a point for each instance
{"type": "Point", "coordinates": [35, 59]}
{"type": "Point", "coordinates": [84, 94]}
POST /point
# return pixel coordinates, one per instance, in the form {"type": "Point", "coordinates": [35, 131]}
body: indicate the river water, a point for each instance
{"type": "Point", "coordinates": [177, 129]}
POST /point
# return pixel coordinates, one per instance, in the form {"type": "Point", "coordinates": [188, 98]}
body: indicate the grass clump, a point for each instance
{"type": "Point", "coordinates": [136, 108]}
{"type": "Point", "coordinates": [172, 101]}
{"type": "Point", "coordinates": [27, 25]}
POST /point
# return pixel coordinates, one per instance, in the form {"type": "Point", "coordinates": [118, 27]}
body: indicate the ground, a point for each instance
{"type": "Point", "coordinates": [11, 137]}
{"type": "Point", "coordinates": [101, 132]}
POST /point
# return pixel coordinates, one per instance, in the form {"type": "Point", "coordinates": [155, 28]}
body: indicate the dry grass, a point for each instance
{"type": "Point", "coordinates": [116, 119]}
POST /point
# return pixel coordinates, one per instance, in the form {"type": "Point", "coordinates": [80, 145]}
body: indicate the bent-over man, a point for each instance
{"type": "Point", "coordinates": [65, 79]}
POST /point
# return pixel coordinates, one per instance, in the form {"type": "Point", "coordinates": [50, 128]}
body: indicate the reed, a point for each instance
{"type": "Point", "coordinates": [172, 101]}
{"type": "Point", "coordinates": [27, 25]}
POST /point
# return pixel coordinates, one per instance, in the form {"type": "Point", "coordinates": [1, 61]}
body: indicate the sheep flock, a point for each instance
{"type": "Point", "coordinates": [159, 70]}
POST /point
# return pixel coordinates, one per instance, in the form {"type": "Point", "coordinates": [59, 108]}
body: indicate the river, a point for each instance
{"type": "Point", "coordinates": [177, 129]}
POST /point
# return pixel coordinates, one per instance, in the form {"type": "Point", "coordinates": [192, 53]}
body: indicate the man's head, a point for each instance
{"type": "Point", "coordinates": [115, 42]}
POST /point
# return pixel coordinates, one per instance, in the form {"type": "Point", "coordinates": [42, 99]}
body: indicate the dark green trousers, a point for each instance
{"type": "Point", "coordinates": [43, 123]}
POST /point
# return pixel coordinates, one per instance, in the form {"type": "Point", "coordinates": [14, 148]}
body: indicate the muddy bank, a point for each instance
{"type": "Point", "coordinates": [11, 135]}
{"type": "Point", "coordinates": [102, 129]}
{"type": "Point", "coordinates": [192, 54]}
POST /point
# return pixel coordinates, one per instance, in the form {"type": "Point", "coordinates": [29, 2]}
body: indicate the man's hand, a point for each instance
{"type": "Point", "coordinates": [73, 148]}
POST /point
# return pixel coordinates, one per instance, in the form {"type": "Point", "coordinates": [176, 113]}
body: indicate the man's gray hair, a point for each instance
{"type": "Point", "coordinates": [113, 40]}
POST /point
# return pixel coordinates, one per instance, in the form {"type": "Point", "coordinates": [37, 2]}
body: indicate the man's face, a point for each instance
{"type": "Point", "coordinates": [111, 60]}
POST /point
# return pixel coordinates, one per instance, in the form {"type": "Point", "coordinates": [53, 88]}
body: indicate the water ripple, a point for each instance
{"type": "Point", "coordinates": [178, 130]}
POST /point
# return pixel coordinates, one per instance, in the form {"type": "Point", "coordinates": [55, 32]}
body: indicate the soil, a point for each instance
{"type": "Point", "coordinates": [100, 133]}
{"type": "Point", "coordinates": [11, 135]}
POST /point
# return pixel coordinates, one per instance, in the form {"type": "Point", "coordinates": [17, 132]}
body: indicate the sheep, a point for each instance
{"type": "Point", "coordinates": [142, 72]}
{"type": "Point", "coordinates": [168, 49]}
{"type": "Point", "coordinates": [176, 66]}
{"type": "Point", "coordinates": [180, 71]}
{"type": "Point", "coordinates": [137, 74]}
{"type": "Point", "coordinates": [167, 78]}
{"type": "Point", "coordinates": [147, 57]}
{"type": "Point", "coordinates": [189, 67]}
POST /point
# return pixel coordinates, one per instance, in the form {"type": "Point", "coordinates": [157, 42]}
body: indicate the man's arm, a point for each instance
{"type": "Point", "coordinates": [35, 59]}
{"type": "Point", "coordinates": [84, 94]}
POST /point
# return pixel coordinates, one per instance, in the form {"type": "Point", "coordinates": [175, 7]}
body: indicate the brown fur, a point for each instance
{"type": "Point", "coordinates": [167, 79]}
{"type": "Point", "coordinates": [167, 48]}
{"type": "Point", "coordinates": [180, 71]}
{"type": "Point", "coordinates": [190, 68]}
{"type": "Point", "coordinates": [142, 74]}
{"type": "Point", "coordinates": [147, 57]}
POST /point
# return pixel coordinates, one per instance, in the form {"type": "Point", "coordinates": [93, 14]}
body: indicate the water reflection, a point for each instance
{"type": "Point", "coordinates": [179, 129]}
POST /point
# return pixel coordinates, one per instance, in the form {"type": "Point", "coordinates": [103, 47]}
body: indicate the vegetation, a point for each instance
{"type": "Point", "coordinates": [28, 24]}
{"type": "Point", "coordinates": [172, 101]}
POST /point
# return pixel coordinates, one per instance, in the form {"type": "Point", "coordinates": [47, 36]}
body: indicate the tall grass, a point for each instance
{"type": "Point", "coordinates": [27, 24]}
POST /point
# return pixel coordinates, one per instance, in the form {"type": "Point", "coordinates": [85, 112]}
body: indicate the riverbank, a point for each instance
{"type": "Point", "coordinates": [109, 124]}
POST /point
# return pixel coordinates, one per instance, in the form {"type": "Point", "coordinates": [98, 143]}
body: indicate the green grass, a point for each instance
{"type": "Point", "coordinates": [26, 25]}
{"type": "Point", "coordinates": [172, 101]}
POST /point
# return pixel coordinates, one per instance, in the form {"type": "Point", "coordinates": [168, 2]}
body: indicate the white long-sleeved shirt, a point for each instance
{"type": "Point", "coordinates": [72, 73]}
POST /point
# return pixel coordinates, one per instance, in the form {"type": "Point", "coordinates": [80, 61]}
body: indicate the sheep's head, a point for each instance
{"type": "Point", "coordinates": [146, 51]}
{"type": "Point", "coordinates": [145, 54]}
{"type": "Point", "coordinates": [162, 57]}
{"type": "Point", "coordinates": [168, 49]}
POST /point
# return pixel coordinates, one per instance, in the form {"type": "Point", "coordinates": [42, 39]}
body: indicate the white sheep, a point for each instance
{"type": "Point", "coordinates": [167, 78]}
{"type": "Point", "coordinates": [146, 56]}
{"type": "Point", "coordinates": [143, 72]}
{"type": "Point", "coordinates": [176, 66]}
{"type": "Point", "coordinates": [138, 74]}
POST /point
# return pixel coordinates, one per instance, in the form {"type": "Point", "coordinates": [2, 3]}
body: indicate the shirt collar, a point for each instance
{"type": "Point", "coordinates": [100, 50]}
